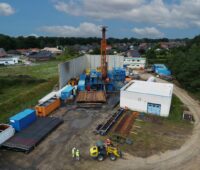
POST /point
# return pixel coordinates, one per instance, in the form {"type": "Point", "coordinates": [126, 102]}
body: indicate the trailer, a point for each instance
{"type": "Point", "coordinates": [27, 139]}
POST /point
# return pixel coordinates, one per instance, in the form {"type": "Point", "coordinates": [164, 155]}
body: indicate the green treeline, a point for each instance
{"type": "Point", "coordinates": [185, 65]}
{"type": "Point", "coordinates": [12, 43]}
{"type": "Point", "coordinates": [184, 62]}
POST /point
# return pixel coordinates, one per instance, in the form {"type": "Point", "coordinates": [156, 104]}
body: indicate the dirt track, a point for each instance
{"type": "Point", "coordinates": [186, 158]}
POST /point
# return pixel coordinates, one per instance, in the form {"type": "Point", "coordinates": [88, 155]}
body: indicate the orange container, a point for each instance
{"type": "Point", "coordinates": [47, 107]}
{"type": "Point", "coordinates": [128, 79]}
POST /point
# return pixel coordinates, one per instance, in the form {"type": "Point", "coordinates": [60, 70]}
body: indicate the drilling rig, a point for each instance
{"type": "Point", "coordinates": [103, 53]}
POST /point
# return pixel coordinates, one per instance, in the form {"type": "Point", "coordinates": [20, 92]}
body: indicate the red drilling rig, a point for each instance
{"type": "Point", "coordinates": [103, 53]}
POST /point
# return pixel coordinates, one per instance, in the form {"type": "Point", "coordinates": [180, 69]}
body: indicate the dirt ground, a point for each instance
{"type": "Point", "coordinates": [148, 140]}
{"type": "Point", "coordinates": [54, 153]}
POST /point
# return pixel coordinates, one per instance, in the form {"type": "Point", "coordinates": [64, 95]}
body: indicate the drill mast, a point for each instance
{"type": "Point", "coordinates": [103, 53]}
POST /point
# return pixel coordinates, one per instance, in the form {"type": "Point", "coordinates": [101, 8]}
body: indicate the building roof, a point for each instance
{"type": "Point", "coordinates": [41, 54]}
{"type": "Point", "coordinates": [133, 53]}
{"type": "Point", "coordinates": [152, 88]}
{"type": "Point", "coordinates": [53, 50]}
{"type": "Point", "coordinates": [13, 52]}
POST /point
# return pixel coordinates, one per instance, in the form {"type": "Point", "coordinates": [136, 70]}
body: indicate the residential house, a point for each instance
{"type": "Point", "coordinates": [9, 61]}
{"type": "Point", "coordinates": [41, 56]}
{"type": "Point", "coordinates": [54, 51]}
{"type": "Point", "coordinates": [133, 53]}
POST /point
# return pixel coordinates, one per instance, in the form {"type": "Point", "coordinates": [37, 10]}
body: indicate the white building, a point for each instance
{"type": "Point", "coordinates": [149, 97]}
{"type": "Point", "coordinates": [9, 61]}
{"type": "Point", "coordinates": [135, 63]}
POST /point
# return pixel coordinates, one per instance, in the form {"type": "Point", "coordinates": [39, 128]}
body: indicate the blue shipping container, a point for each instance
{"type": "Point", "coordinates": [66, 93]}
{"type": "Point", "coordinates": [161, 69]}
{"type": "Point", "coordinates": [23, 119]}
{"type": "Point", "coordinates": [164, 72]}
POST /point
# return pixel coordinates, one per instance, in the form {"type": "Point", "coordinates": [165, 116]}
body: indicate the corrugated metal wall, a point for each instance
{"type": "Point", "coordinates": [115, 61]}
{"type": "Point", "coordinates": [94, 61]}
{"type": "Point", "coordinates": [72, 68]}
{"type": "Point", "coordinates": [75, 67]}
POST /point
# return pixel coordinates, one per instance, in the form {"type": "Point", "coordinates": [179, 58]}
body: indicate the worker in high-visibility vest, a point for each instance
{"type": "Point", "coordinates": [77, 155]}
{"type": "Point", "coordinates": [108, 142]}
{"type": "Point", "coordinates": [73, 152]}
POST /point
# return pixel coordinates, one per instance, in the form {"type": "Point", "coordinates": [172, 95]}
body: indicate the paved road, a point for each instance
{"type": "Point", "coordinates": [185, 158]}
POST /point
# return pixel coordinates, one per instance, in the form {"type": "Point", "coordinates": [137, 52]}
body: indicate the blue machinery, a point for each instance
{"type": "Point", "coordinates": [93, 81]}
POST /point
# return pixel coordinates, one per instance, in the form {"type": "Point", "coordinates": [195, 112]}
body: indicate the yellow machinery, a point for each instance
{"type": "Point", "coordinates": [87, 71]}
{"type": "Point", "coordinates": [101, 151]}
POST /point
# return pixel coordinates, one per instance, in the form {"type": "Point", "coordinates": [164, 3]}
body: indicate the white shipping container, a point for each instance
{"type": "Point", "coordinates": [6, 132]}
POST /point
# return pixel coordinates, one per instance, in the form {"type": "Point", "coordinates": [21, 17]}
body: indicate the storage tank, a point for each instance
{"type": "Point", "coordinates": [151, 79]}
{"type": "Point", "coordinates": [66, 93]}
{"type": "Point", "coordinates": [47, 97]}
{"type": "Point", "coordinates": [58, 93]}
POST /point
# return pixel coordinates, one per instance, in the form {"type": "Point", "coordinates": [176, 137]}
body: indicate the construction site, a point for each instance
{"type": "Point", "coordinates": [106, 114]}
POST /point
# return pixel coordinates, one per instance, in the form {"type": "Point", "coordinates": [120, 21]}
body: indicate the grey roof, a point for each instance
{"type": "Point", "coordinates": [133, 53]}
{"type": "Point", "coordinates": [41, 54]}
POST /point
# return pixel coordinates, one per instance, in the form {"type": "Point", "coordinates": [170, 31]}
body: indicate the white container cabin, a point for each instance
{"type": "Point", "coordinates": [149, 97]}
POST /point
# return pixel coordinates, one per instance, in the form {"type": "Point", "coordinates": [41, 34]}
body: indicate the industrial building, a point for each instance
{"type": "Point", "coordinates": [135, 63]}
{"type": "Point", "coordinates": [149, 97]}
{"type": "Point", "coordinates": [9, 61]}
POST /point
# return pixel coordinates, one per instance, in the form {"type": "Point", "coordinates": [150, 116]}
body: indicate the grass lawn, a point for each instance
{"type": "Point", "coordinates": [43, 70]}
{"type": "Point", "coordinates": [154, 134]}
{"type": "Point", "coordinates": [22, 86]}
{"type": "Point", "coordinates": [154, 138]}
{"type": "Point", "coordinates": [13, 91]}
